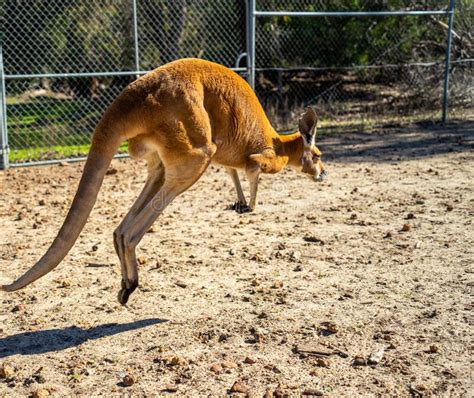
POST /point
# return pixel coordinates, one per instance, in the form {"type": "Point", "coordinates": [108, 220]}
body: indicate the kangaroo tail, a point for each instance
{"type": "Point", "coordinates": [104, 146]}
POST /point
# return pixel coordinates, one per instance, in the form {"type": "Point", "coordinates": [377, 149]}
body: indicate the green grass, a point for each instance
{"type": "Point", "coordinates": [53, 152]}
{"type": "Point", "coordinates": [56, 128]}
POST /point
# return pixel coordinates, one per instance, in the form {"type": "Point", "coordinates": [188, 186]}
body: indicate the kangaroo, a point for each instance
{"type": "Point", "coordinates": [179, 117]}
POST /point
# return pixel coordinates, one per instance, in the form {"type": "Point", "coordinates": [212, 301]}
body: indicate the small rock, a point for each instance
{"type": "Point", "coordinates": [176, 361]}
{"type": "Point", "coordinates": [228, 365]}
{"type": "Point", "coordinates": [278, 393]}
{"type": "Point", "coordinates": [273, 368]}
{"type": "Point", "coordinates": [18, 308]}
{"type": "Point", "coordinates": [376, 357]}
{"type": "Point", "coordinates": [434, 348]}
{"type": "Point", "coordinates": [40, 393]}
{"type": "Point", "coordinates": [232, 252]}
{"type": "Point", "coordinates": [181, 284]}
{"type": "Point", "coordinates": [449, 207]}
{"type": "Point", "coordinates": [41, 202]}
{"type": "Point", "coordinates": [222, 337]}
{"type": "Point", "coordinates": [95, 247]}
{"type": "Point", "coordinates": [6, 371]}
{"type": "Point", "coordinates": [406, 227]}
{"type": "Point", "coordinates": [329, 327]}
{"type": "Point", "coordinates": [312, 392]}
{"type": "Point", "coordinates": [238, 386]}
{"type": "Point", "coordinates": [298, 268]}
{"type": "Point", "coordinates": [388, 235]}
{"type": "Point", "coordinates": [65, 283]}
{"type": "Point", "coordinates": [410, 216]}
{"type": "Point", "coordinates": [268, 394]}
{"type": "Point", "coordinates": [277, 285]}
{"type": "Point", "coordinates": [313, 239]}
{"type": "Point", "coordinates": [129, 380]}
{"type": "Point", "coordinates": [250, 360]}
{"type": "Point", "coordinates": [111, 171]}
{"type": "Point", "coordinates": [216, 368]}
{"type": "Point", "coordinates": [359, 361]}
{"type": "Point", "coordinates": [322, 362]}
{"type": "Point", "coordinates": [141, 259]}
{"type": "Point", "coordinates": [170, 388]}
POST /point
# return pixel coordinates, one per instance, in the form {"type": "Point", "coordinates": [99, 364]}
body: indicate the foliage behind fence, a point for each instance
{"type": "Point", "coordinates": [362, 71]}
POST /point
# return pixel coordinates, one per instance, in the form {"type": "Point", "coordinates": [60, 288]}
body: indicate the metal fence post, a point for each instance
{"type": "Point", "coordinates": [448, 62]}
{"type": "Point", "coordinates": [3, 117]}
{"type": "Point", "coordinates": [135, 38]}
{"type": "Point", "coordinates": [250, 5]}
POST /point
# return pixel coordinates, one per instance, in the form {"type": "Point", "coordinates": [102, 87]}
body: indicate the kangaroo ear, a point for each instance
{"type": "Point", "coordinates": [307, 125]}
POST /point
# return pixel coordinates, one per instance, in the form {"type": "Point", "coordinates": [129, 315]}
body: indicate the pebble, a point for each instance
{"type": "Point", "coordinates": [278, 393]}
{"type": "Point", "coordinates": [18, 308]}
{"type": "Point", "coordinates": [65, 283]}
{"type": "Point", "coordinates": [40, 393]}
{"type": "Point", "coordinates": [141, 259]}
{"type": "Point", "coordinates": [250, 360]}
{"type": "Point", "coordinates": [406, 227]}
{"type": "Point", "coordinates": [216, 368]}
{"type": "Point", "coordinates": [268, 394]}
{"type": "Point", "coordinates": [376, 357]}
{"type": "Point", "coordinates": [228, 365]}
{"type": "Point", "coordinates": [434, 348]}
{"type": "Point", "coordinates": [322, 362]}
{"type": "Point", "coordinates": [312, 392]}
{"type": "Point", "coordinates": [359, 361]}
{"type": "Point", "coordinates": [238, 386]}
{"type": "Point", "coordinates": [6, 371]}
{"type": "Point", "coordinates": [330, 327]}
{"type": "Point", "coordinates": [129, 380]}
{"type": "Point", "coordinates": [277, 285]}
{"type": "Point", "coordinates": [176, 361]}
{"type": "Point", "coordinates": [111, 171]}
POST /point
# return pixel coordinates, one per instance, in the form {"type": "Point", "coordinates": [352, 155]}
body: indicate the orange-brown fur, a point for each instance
{"type": "Point", "coordinates": [179, 118]}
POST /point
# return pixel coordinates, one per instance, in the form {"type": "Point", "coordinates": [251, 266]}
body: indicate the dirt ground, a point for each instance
{"type": "Point", "coordinates": [371, 269]}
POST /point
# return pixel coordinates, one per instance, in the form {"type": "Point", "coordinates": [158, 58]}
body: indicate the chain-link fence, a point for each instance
{"type": "Point", "coordinates": [64, 61]}
{"type": "Point", "coordinates": [360, 65]}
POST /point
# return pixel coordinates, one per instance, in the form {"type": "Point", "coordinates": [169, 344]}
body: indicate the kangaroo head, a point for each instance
{"type": "Point", "coordinates": [311, 157]}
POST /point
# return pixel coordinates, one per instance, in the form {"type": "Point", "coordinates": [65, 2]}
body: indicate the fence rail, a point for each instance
{"type": "Point", "coordinates": [64, 64]}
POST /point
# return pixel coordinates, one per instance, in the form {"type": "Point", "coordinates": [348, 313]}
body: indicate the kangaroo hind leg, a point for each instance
{"type": "Point", "coordinates": [128, 263]}
{"type": "Point", "coordinates": [178, 177]}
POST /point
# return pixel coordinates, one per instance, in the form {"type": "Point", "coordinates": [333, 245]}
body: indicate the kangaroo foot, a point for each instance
{"type": "Point", "coordinates": [241, 207]}
{"type": "Point", "coordinates": [125, 291]}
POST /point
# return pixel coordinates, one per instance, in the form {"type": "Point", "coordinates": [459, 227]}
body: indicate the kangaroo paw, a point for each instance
{"type": "Point", "coordinates": [125, 291]}
{"type": "Point", "coordinates": [241, 208]}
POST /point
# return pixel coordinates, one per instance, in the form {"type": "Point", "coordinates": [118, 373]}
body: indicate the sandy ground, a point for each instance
{"type": "Point", "coordinates": [376, 263]}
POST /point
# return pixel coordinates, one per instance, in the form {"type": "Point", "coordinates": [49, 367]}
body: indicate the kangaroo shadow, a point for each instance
{"type": "Point", "coordinates": [51, 340]}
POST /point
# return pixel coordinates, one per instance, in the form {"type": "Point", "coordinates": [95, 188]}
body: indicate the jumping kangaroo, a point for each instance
{"type": "Point", "coordinates": [179, 118]}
